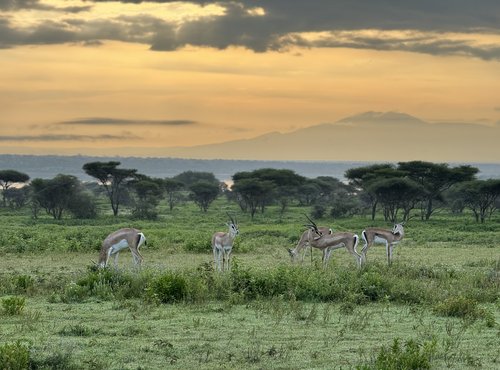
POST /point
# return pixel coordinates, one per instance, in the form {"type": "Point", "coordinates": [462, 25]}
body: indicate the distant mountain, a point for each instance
{"type": "Point", "coordinates": [369, 136]}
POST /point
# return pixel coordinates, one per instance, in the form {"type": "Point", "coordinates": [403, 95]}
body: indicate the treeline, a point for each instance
{"type": "Point", "coordinates": [398, 192]}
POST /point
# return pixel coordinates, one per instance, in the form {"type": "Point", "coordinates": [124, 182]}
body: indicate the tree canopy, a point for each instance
{"type": "Point", "coordinates": [112, 178]}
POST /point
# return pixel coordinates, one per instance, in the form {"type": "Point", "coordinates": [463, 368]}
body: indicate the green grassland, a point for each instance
{"type": "Point", "coordinates": [436, 307]}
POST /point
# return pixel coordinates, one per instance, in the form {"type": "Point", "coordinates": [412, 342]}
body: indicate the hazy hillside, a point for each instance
{"type": "Point", "coordinates": [49, 166]}
{"type": "Point", "coordinates": [387, 136]}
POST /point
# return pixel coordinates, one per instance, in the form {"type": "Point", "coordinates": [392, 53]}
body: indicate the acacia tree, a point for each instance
{"type": "Point", "coordinates": [204, 193]}
{"type": "Point", "coordinates": [397, 194]}
{"type": "Point", "coordinates": [172, 188]}
{"type": "Point", "coordinates": [480, 196]}
{"type": "Point", "coordinates": [259, 187]}
{"type": "Point", "coordinates": [8, 178]}
{"type": "Point", "coordinates": [148, 192]}
{"type": "Point", "coordinates": [435, 178]}
{"type": "Point", "coordinates": [363, 178]}
{"type": "Point", "coordinates": [253, 192]}
{"type": "Point", "coordinates": [55, 195]}
{"type": "Point", "coordinates": [112, 178]}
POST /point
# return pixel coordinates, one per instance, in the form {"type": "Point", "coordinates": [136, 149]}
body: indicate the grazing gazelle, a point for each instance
{"type": "Point", "coordinates": [222, 245]}
{"type": "Point", "coordinates": [377, 235]}
{"type": "Point", "coordinates": [324, 239]}
{"type": "Point", "coordinates": [119, 240]}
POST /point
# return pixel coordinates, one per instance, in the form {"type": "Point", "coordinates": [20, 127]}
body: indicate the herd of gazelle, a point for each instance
{"type": "Point", "coordinates": [322, 238]}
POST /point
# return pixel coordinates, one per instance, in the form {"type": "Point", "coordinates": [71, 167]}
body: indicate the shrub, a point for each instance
{"type": "Point", "coordinates": [318, 211]}
{"type": "Point", "coordinates": [13, 305]}
{"type": "Point", "coordinates": [77, 330]}
{"type": "Point", "coordinates": [412, 355]}
{"type": "Point", "coordinates": [169, 288]}
{"type": "Point", "coordinates": [14, 356]}
{"type": "Point", "coordinates": [24, 283]}
{"type": "Point", "coordinates": [457, 307]}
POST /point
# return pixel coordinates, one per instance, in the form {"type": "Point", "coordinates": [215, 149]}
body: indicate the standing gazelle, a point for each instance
{"type": "Point", "coordinates": [222, 245]}
{"type": "Point", "coordinates": [119, 240]}
{"type": "Point", "coordinates": [324, 239]}
{"type": "Point", "coordinates": [375, 235]}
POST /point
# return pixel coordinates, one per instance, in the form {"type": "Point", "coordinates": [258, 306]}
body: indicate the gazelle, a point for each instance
{"type": "Point", "coordinates": [324, 239]}
{"type": "Point", "coordinates": [222, 245]}
{"type": "Point", "coordinates": [119, 240]}
{"type": "Point", "coordinates": [375, 235]}
{"type": "Point", "coordinates": [305, 238]}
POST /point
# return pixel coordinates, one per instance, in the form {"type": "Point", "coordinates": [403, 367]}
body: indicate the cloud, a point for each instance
{"type": "Point", "coordinates": [13, 5]}
{"type": "Point", "coordinates": [65, 137]}
{"type": "Point", "coordinates": [429, 27]}
{"type": "Point", "coordinates": [124, 122]}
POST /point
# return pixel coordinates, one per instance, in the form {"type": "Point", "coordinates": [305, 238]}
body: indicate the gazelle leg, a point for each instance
{"type": "Point", "coordinates": [328, 253]}
{"type": "Point", "coordinates": [137, 258]}
{"type": "Point", "coordinates": [214, 249]}
{"type": "Point", "coordinates": [364, 251]}
{"type": "Point", "coordinates": [108, 256]}
{"type": "Point", "coordinates": [389, 254]}
{"type": "Point", "coordinates": [115, 262]}
{"type": "Point", "coordinates": [229, 260]}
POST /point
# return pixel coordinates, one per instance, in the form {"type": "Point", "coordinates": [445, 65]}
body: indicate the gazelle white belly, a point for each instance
{"type": "Point", "coordinates": [122, 244]}
{"type": "Point", "coordinates": [379, 240]}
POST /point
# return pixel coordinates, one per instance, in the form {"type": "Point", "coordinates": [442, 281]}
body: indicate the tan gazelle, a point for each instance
{"type": "Point", "coordinates": [222, 245]}
{"type": "Point", "coordinates": [376, 235]}
{"type": "Point", "coordinates": [324, 239]}
{"type": "Point", "coordinates": [119, 240]}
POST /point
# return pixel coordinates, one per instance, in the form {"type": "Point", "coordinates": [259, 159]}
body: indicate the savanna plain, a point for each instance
{"type": "Point", "coordinates": [437, 306]}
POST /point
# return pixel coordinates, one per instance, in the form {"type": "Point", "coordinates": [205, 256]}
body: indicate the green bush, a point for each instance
{"type": "Point", "coordinates": [14, 356]}
{"type": "Point", "coordinates": [13, 305]}
{"type": "Point", "coordinates": [169, 288]}
{"type": "Point", "coordinates": [462, 307]}
{"type": "Point", "coordinates": [412, 355]}
{"type": "Point", "coordinates": [24, 283]}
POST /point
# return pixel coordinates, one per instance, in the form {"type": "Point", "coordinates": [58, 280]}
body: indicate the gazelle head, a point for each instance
{"type": "Point", "coordinates": [398, 228]}
{"type": "Point", "coordinates": [233, 226]}
{"type": "Point", "coordinates": [312, 225]}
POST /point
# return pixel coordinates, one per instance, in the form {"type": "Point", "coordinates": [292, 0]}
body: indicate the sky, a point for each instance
{"type": "Point", "coordinates": [101, 77]}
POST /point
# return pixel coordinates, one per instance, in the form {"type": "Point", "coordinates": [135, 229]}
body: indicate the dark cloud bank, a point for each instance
{"type": "Point", "coordinates": [279, 27]}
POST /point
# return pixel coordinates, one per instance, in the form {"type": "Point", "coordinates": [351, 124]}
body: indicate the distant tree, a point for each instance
{"type": "Point", "coordinates": [204, 193]}
{"type": "Point", "coordinates": [363, 178]}
{"type": "Point", "coordinates": [8, 178]}
{"type": "Point", "coordinates": [435, 178]}
{"type": "Point", "coordinates": [17, 197]}
{"type": "Point", "coordinates": [148, 192]}
{"type": "Point", "coordinates": [112, 178]}
{"type": "Point", "coordinates": [309, 193]}
{"type": "Point", "coordinates": [189, 178]}
{"type": "Point", "coordinates": [396, 194]}
{"type": "Point", "coordinates": [55, 195]}
{"type": "Point", "coordinates": [83, 205]}
{"type": "Point", "coordinates": [480, 196]}
{"type": "Point", "coordinates": [345, 204]}
{"type": "Point", "coordinates": [173, 190]}
{"type": "Point", "coordinates": [253, 192]}
{"type": "Point", "coordinates": [278, 185]}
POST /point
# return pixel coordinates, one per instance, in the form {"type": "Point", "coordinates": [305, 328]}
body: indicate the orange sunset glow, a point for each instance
{"type": "Point", "coordinates": [173, 78]}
